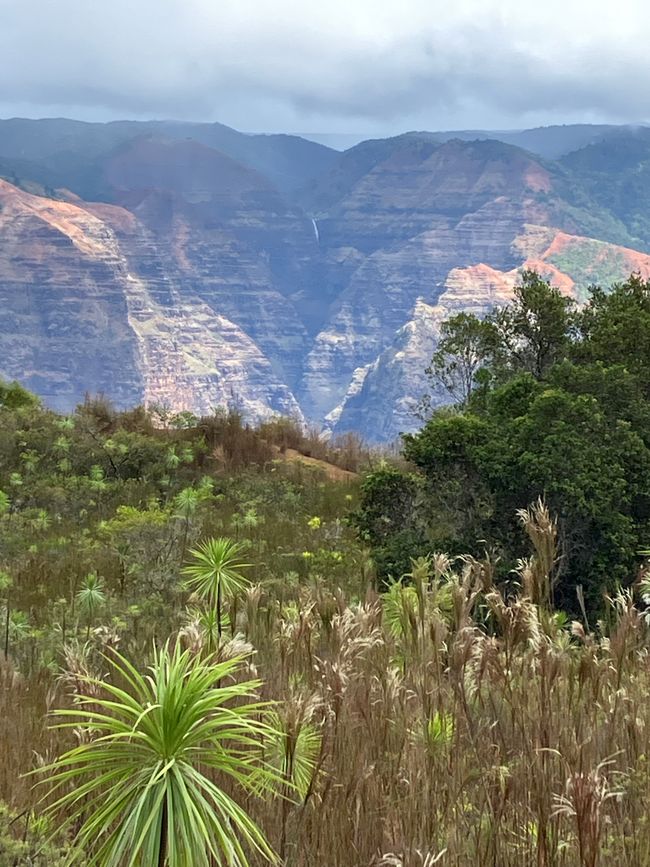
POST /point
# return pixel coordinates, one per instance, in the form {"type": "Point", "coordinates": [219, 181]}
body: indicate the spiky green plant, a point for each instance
{"type": "Point", "coordinates": [295, 750]}
{"type": "Point", "coordinates": [186, 502]}
{"type": "Point", "coordinates": [90, 598]}
{"type": "Point", "coordinates": [400, 604]}
{"type": "Point", "coordinates": [140, 786]}
{"type": "Point", "coordinates": [216, 572]}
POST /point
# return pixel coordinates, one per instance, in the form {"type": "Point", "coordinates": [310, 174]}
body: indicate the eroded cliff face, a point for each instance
{"type": "Point", "coordinates": [89, 306]}
{"type": "Point", "coordinates": [400, 230]}
{"type": "Point", "coordinates": [195, 283]}
{"type": "Point", "coordinates": [224, 235]}
{"type": "Point", "coordinates": [382, 290]}
{"type": "Point", "coordinates": [384, 396]}
{"type": "Point", "coordinates": [64, 328]}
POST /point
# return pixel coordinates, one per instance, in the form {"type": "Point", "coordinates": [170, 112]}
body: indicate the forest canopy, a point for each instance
{"type": "Point", "coordinates": [549, 400]}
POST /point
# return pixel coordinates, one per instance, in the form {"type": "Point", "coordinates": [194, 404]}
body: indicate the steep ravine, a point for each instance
{"type": "Point", "coordinates": [197, 283]}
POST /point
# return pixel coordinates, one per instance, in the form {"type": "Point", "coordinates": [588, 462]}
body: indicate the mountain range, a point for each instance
{"type": "Point", "coordinates": [193, 266]}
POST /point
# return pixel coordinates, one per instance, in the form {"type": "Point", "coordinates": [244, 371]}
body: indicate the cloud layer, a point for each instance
{"type": "Point", "coordinates": [345, 65]}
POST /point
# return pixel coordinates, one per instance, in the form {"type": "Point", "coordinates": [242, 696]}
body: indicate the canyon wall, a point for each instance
{"type": "Point", "coordinates": [195, 279]}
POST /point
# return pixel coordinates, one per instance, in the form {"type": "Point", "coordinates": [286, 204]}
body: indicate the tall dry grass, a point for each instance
{"type": "Point", "coordinates": [458, 725]}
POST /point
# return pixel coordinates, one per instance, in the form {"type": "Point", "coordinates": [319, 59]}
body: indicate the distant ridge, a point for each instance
{"type": "Point", "coordinates": [547, 141]}
{"type": "Point", "coordinates": [195, 266]}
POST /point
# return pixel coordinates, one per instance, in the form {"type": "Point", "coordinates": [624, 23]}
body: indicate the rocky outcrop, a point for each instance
{"type": "Point", "coordinates": [576, 263]}
{"type": "Point", "coordinates": [383, 398]}
{"type": "Point", "coordinates": [387, 401]}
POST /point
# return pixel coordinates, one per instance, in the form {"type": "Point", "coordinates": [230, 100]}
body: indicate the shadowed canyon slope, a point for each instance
{"type": "Point", "coordinates": [194, 266]}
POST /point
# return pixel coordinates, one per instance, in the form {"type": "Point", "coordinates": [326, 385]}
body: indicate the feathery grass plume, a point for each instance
{"type": "Point", "coordinates": [77, 672]}
{"type": "Point", "coordinates": [538, 573]}
{"type": "Point", "coordinates": [254, 596]}
{"type": "Point", "coordinates": [294, 751]}
{"type": "Point", "coordinates": [140, 789]}
{"type": "Point", "coordinates": [424, 859]}
{"type": "Point", "coordinates": [585, 795]}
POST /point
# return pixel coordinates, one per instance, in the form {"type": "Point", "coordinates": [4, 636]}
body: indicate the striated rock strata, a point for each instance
{"type": "Point", "coordinates": [383, 397]}
{"type": "Point", "coordinates": [205, 277]}
{"type": "Point", "coordinates": [88, 307]}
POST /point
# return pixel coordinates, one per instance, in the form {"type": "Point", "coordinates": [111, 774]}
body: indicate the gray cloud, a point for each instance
{"type": "Point", "coordinates": [348, 65]}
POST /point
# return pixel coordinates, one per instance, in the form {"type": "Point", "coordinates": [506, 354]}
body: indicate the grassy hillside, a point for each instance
{"type": "Point", "coordinates": [449, 721]}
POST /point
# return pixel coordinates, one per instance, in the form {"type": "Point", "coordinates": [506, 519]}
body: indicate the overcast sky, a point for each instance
{"type": "Point", "coordinates": [342, 66]}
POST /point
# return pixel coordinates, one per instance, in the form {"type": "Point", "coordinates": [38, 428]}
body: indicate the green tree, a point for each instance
{"type": "Point", "coordinates": [535, 439]}
{"type": "Point", "coordinates": [184, 420]}
{"type": "Point", "coordinates": [463, 348]}
{"type": "Point", "coordinates": [563, 413]}
{"type": "Point", "coordinates": [389, 519]}
{"type": "Point", "coordinates": [140, 786]}
{"type": "Point", "coordinates": [534, 331]}
{"type": "Point", "coordinates": [615, 328]}
{"type": "Point", "coordinates": [457, 499]}
{"type": "Point", "coordinates": [13, 396]}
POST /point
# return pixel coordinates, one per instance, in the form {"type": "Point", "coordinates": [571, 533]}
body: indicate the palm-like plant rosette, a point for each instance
{"type": "Point", "coordinates": [216, 570]}
{"type": "Point", "coordinates": [142, 781]}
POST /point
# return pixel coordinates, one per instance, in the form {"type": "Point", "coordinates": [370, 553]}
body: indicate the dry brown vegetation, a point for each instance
{"type": "Point", "coordinates": [240, 444]}
{"type": "Point", "coordinates": [458, 725]}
